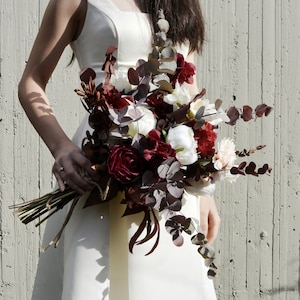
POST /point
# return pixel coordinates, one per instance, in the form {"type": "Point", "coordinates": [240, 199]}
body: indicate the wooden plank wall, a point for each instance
{"type": "Point", "coordinates": [251, 56]}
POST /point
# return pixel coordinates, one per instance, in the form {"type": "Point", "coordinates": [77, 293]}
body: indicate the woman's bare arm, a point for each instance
{"type": "Point", "coordinates": [60, 25]}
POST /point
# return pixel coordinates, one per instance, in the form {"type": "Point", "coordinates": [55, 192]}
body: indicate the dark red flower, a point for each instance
{"type": "Point", "coordinates": [185, 71]}
{"type": "Point", "coordinates": [160, 108]}
{"type": "Point", "coordinates": [124, 163]}
{"type": "Point", "coordinates": [115, 99]}
{"type": "Point", "coordinates": [99, 119]}
{"type": "Point", "coordinates": [205, 137]}
{"type": "Point", "coordinates": [157, 148]}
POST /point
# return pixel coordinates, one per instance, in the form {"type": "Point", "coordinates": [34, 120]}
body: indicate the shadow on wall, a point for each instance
{"type": "Point", "coordinates": [286, 290]}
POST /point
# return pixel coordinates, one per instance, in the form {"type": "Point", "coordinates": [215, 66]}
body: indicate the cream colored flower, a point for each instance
{"type": "Point", "coordinates": [225, 155]}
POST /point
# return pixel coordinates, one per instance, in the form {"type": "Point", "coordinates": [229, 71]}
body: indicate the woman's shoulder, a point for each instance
{"type": "Point", "coordinates": [72, 11]}
{"type": "Point", "coordinates": [68, 6]}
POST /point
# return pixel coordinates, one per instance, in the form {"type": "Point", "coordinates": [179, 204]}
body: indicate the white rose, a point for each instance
{"type": "Point", "coordinates": [181, 138]}
{"type": "Point", "coordinates": [143, 125]}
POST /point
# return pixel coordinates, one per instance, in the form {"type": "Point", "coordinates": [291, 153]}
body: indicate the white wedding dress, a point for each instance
{"type": "Point", "coordinates": [93, 262]}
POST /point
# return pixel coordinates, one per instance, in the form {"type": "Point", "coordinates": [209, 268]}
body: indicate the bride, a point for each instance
{"type": "Point", "coordinates": [93, 262]}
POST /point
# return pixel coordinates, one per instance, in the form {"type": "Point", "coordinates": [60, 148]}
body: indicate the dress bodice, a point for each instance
{"type": "Point", "coordinates": [106, 25]}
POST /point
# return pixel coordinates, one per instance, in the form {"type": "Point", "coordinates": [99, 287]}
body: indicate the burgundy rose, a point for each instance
{"type": "Point", "coordinates": [205, 137]}
{"type": "Point", "coordinates": [185, 71]}
{"type": "Point", "coordinates": [124, 163]}
{"type": "Point", "coordinates": [157, 148]}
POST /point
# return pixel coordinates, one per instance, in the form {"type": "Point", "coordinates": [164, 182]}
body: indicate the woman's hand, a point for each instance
{"type": "Point", "coordinates": [69, 166]}
{"type": "Point", "coordinates": [209, 218]}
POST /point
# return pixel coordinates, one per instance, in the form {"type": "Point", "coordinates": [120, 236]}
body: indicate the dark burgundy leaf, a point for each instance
{"type": "Point", "coordinates": [142, 91]}
{"type": "Point", "coordinates": [236, 171]}
{"type": "Point", "coordinates": [180, 114]}
{"type": "Point", "coordinates": [173, 203]}
{"type": "Point", "coordinates": [133, 76]}
{"type": "Point", "coordinates": [200, 95]}
{"type": "Point", "coordinates": [148, 178]}
{"type": "Point", "coordinates": [250, 169]}
{"type": "Point", "coordinates": [86, 74]}
{"type": "Point", "coordinates": [110, 50]}
{"type": "Point", "coordinates": [199, 239]}
{"type": "Point", "coordinates": [260, 147]}
{"type": "Point", "coordinates": [268, 111]}
{"type": "Point", "coordinates": [247, 113]}
{"type": "Point", "coordinates": [188, 226]}
{"type": "Point", "coordinates": [233, 114]}
{"type": "Point", "coordinates": [211, 273]}
{"type": "Point", "coordinates": [262, 109]}
{"type": "Point", "coordinates": [242, 165]}
{"type": "Point", "coordinates": [263, 169]}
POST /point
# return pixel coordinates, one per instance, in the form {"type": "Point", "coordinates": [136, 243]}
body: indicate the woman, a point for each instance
{"type": "Point", "coordinates": [93, 261]}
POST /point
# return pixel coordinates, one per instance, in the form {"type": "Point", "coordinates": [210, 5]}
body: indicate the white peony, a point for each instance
{"type": "Point", "coordinates": [181, 138]}
{"type": "Point", "coordinates": [144, 125]}
{"type": "Point", "coordinates": [179, 97]}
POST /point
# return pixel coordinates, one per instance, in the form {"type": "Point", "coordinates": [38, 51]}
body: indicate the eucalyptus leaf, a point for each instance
{"type": "Point", "coordinates": [199, 113]}
{"type": "Point", "coordinates": [168, 54]}
{"type": "Point", "coordinates": [199, 239]}
{"type": "Point", "coordinates": [218, 104]}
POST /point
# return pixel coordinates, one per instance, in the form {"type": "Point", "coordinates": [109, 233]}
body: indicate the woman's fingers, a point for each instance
{"type": "Point", "coordinates": [213, 227]}
{"type": "Point", "coordinates": [209, 218]}
{"type": "Point", "coordinates": [70, 168]}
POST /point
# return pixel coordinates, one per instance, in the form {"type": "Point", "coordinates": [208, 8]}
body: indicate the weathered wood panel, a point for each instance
{"type": "Point", "coordinates": [251, 56]}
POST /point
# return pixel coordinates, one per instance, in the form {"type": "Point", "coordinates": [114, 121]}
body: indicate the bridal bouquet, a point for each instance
{"type": "Point", "coordinates": [155, 142]}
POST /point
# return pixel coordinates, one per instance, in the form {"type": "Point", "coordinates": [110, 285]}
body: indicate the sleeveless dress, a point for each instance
{"type": "Point", "coordinates": [93, 261]}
